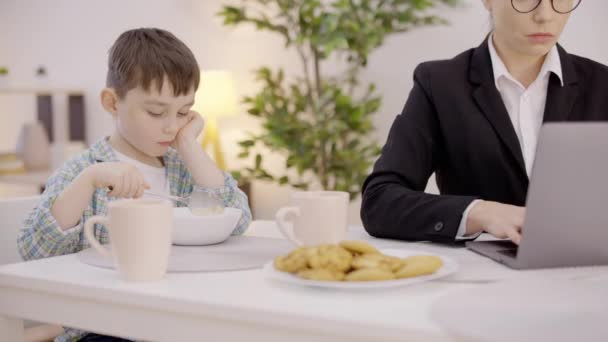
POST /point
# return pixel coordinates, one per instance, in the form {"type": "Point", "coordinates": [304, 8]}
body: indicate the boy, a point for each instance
{"type": "Point", "coordinates": [151, 81]}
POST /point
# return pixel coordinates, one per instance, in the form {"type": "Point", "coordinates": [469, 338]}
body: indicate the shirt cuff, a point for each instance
{"type": "Point", "coordinates": [462, 228]}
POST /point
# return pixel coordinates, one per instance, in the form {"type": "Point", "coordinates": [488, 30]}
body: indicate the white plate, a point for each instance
{"type": "Point", "coordinates": [449, 266]}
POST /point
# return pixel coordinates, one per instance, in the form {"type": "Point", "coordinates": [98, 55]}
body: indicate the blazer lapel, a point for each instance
{"type": "Point", "coordinates": [560, 99]}
{"type": "Point", "coordinates": [490, 102]}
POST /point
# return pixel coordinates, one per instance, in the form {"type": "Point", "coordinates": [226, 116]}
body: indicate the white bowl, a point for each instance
{"type": "Point", "coordinates": [190, 229]}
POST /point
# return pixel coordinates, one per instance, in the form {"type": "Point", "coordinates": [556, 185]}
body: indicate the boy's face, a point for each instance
{"type": "Point", "coordinates": [150, 120]}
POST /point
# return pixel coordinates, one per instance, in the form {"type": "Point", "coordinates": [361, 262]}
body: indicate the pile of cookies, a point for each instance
{"type": "Point", "coordinates": [353, 261]}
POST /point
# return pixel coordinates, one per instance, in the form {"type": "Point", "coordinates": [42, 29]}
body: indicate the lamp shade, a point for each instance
{"type": "Point", "coordinates": [216, 95]}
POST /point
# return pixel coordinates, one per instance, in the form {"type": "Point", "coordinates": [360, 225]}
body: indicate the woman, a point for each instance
{"type": "Point", "coordinates": [474, 120]}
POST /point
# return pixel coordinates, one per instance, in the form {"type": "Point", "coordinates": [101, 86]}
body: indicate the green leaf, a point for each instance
{"type": "Point", "coordinates": [237, 175]}
{"type": "Point", "coordinates": [258, 161]}
{"type": "Point", "coordinates": [265, 175]}
{"type": "Point", "coordinates": [301, 186]}
{"type": "Point", "coordinates": [254, 111]}
{"type": "Point", "coordinates": [246, 143]}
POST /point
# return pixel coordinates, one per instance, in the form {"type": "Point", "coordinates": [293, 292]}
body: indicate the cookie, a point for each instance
{"type": "Point", "coordinates": [394, 262]}
{"type": "Point", "coordinates": [322, 274]}
{"type": "Point", "coordinates": [419, 265]}
{"type": "Point", "coordinates": [381, 261]}
{"type": "Point", "coordinates": [430, 259]}
{"type": "Point", "coordinates": [293, 262]}
{"type": "Point", "coordinates": [330, 257]}
{"type": "Point", "coordinates": [359, 247]}
{"type": "Point", "coordinates": [369, 274]}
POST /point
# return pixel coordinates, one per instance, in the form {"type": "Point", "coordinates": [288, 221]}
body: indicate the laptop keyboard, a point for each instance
{"type": "Point", "coordinates": [510, 252]}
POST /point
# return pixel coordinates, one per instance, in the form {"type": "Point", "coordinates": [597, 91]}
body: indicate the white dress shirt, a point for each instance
{"type": "Point", "coordinates": [526, 107]}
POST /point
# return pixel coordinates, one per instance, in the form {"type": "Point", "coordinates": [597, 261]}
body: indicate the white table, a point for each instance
{"type": "Point", "coordinates": [226, 306]}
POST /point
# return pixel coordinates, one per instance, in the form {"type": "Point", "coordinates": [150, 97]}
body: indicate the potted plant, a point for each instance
{"type": "Point", "coordinates": [320, 121]}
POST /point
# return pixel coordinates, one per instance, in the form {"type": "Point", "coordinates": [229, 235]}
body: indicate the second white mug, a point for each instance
{"type": "Point", "coordinates": [314, 217]}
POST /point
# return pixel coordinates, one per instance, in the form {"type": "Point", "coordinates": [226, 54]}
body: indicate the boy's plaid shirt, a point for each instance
{"type": "Point", "coordinates": [41, 236]}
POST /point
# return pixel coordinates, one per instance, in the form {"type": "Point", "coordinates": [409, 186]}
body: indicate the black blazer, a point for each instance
{"type": "Point", "coordinates": [455, 124]}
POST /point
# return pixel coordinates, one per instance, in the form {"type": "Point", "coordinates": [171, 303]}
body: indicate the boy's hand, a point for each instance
{"type": "Point", "coordinates": [203, 169]}
{"type": "Point", "coordinates": [123, 179]}
{"type": "Point", "coordinates": [191, 130]}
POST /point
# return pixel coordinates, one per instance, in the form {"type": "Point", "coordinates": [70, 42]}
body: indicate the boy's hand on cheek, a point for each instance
{"type": "Point", "coordinates": [191, 130]}
{"type": "Point", "coordinates": [201, 166]}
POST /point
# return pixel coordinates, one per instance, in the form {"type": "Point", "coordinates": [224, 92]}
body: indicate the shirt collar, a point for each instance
{"type": "Point", "coordinates": [552, 64]}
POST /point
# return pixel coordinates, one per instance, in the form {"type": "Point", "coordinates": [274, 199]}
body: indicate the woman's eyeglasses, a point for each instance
{"type": "Point", "coordinates": [559, 6]}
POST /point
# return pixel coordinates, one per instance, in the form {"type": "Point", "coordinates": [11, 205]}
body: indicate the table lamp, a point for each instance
{"type": "Point", "coordinates": [215, 98]}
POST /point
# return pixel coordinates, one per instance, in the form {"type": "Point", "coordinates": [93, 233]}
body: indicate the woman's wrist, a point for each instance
{"type": "Point", "coordinates": [475, 220]}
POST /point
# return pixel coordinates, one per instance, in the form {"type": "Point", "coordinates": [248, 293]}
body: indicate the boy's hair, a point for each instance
{"type": "Point", "coordinates": [143, 55]}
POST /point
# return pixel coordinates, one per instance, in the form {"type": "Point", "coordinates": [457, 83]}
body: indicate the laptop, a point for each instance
{"type": "Point", "coordinates": [566, 221]}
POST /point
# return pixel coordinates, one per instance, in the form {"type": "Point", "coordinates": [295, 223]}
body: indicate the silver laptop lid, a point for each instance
{"type": "Point", "coordinates": [567, 206]}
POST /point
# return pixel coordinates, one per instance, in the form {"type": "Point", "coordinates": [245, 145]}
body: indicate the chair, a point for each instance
{"type": "Point", "coordinates": [12, 213]}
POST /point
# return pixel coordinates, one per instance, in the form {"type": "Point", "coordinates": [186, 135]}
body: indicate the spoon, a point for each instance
{"type": "Point", "coordinates": [171, 197]}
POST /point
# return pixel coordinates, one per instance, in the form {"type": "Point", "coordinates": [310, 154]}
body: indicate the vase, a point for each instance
{"type": "Point", "coordinates": [33, 147]}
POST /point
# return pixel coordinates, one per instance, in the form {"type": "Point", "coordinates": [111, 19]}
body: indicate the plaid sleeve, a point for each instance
{"type": "Point", "coordinates": [233, 197]}
{"type": "Point", "coordinates": [41, 236]}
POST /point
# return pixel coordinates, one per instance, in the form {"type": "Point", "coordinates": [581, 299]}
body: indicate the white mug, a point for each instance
{"type": "Point", "coordinates": [317, 217]}
{"type": "Point", "coordinates": [140, 237]}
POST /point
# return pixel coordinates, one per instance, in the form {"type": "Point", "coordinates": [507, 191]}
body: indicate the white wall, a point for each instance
{"type": "Point", "coordinates": [71, 38]}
